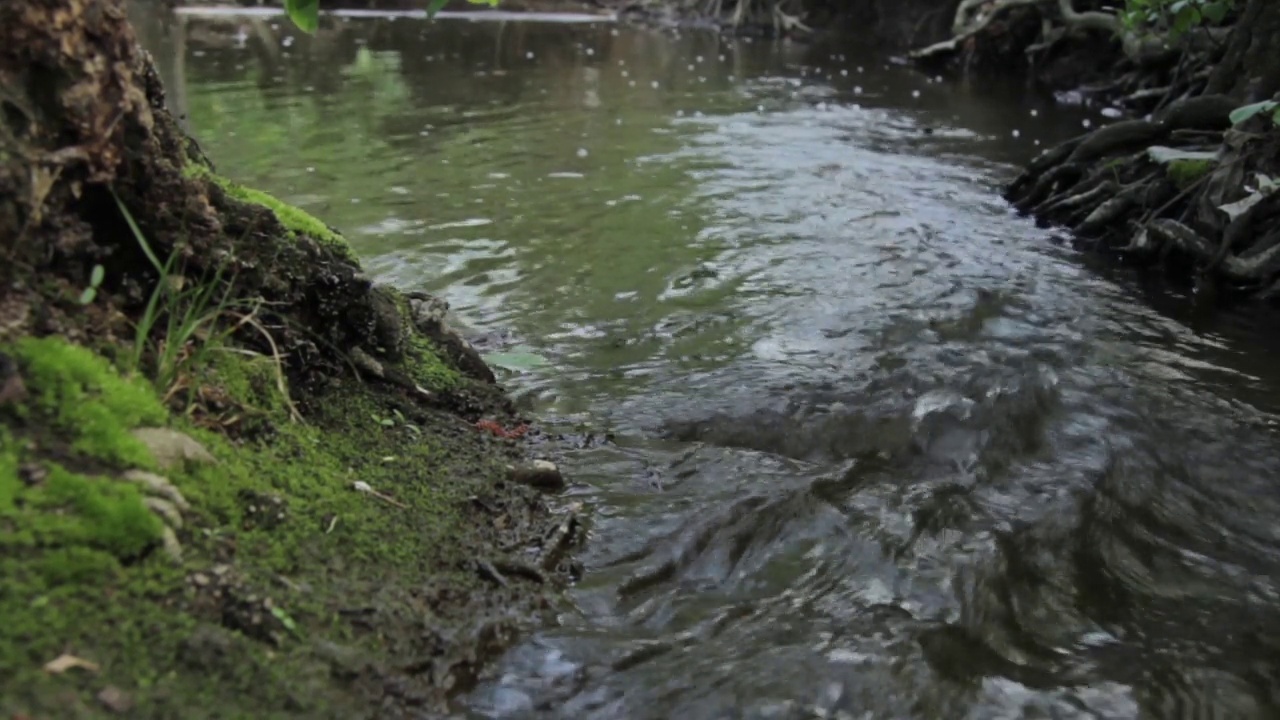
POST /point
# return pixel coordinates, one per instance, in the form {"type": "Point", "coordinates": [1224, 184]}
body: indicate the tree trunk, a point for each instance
{"type": "Point", "coordinates": [1250, 69]}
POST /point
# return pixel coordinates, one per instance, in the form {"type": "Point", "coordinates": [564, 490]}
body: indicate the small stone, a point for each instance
{"type": "Point", "coordinates": [115, 700]}
{"type": "Point", "coordinates": [12, 389]}
{"type": "Point", "coordinates": [540, 474]}
{"type": "Point", "coordinates": [158, 485]}
{"type": "Point", "coordinates": [169, 541]}
{"type": "Point", "coordinates": [165, 509]}
{"type": "Point", "coordinates": [171, 448]}
{"type": "Point", "coordinates": [364, 361]}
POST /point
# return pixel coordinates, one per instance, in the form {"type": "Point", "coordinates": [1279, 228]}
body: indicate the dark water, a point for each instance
{"type": "Point", "coordinates": [884, 449]}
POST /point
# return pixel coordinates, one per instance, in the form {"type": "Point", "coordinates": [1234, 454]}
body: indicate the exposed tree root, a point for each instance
{"type": "Point", "coordinates": [1155, 190]}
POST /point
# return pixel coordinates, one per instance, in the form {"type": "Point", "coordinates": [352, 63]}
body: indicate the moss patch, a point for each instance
{"type": "Point", "coordinates": [290, 572]}
{"type": "Point", "coordinates": [1185, 173]}
{"type": "Point", "coordinates": [83, 397]}
{"type": "Point", "coordinates": [294, 219]}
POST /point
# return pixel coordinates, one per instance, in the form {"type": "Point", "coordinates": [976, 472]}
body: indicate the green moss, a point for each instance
{"type": "Point", "coordinates": [84, 397]}
{"type": "Point", "coordinates": [1184, 173]}
{"type": "Point", "coordinates": [426, 364]}
{"type": "Point", "coordinates": [9, 482]}
{"type": "Point", "coordinates": [93, 512]}
{"type": "Point", "coordinates": [79, 572]}
{"type": "Point", "coordinates": [294, 219]}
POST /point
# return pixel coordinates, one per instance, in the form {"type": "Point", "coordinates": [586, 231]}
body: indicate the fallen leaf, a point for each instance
{"type": "Point", "coordinates": [65, 662]}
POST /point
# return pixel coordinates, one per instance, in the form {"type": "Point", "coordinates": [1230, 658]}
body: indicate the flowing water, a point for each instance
{"type": "Point", "coordinates": [880, 448]}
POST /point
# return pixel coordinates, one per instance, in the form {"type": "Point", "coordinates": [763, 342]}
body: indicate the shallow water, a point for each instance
{"type": "Point", "coordinates": [883, 448]}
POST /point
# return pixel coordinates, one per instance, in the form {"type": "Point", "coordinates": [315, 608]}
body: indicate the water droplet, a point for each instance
{"type": "Point", "coordinates": [529, 55]}
{"type": "Point", "coordinates": [1035, 113]}
{"type": "Point", "coordinates": [288, 41]}
{"type": "Point", "coordinates": [631, 83]}
{"type": "Point", "coordinates": [860, 68]}
{"type": "Point", "coordinates": [1087, 123]}
{"type": "Point", "coordinates": [730, 78]}
{"type": "Point", "coordinates": [844, 73]}
{"type": "Point", "coordinates": [759, 108]}
{"type": "Point", "coordinates": [857, 90]}
{"type": "Point", "coordinates": [698, 59]}
{"type": "Point", "coordinates": [915, 93]}
{"type": "Point", "coordinates": [590, 52]}
{"type": "Point", "coordinates": [582, 152]}
{"type": "Point", "coordinates": [625, 73]}
{"type": "Point", "coordinates": [722, 58]}
{"type": "Point", "coordinates": [1017, 133]}
{"type": "Point", "coordinates": [654, 84]}
{"type": "Point", "coordinates": [679, 113]}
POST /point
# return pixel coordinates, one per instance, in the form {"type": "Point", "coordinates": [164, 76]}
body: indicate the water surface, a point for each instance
{"type": "Point", "coordinates": [883, 448]}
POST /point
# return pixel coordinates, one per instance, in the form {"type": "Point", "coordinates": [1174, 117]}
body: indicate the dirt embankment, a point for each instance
{"type": "Point", "coordinates": [237, 478]}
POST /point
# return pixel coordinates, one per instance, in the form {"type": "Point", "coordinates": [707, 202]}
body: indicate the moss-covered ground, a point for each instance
{"type": "Point", "coordinates": [332, 555]}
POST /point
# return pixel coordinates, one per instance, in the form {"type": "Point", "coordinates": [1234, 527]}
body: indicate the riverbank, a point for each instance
{"type": "Point", "coordinates": [1185, 184]}
{"type": "Point", "coordinates": [237, 478]}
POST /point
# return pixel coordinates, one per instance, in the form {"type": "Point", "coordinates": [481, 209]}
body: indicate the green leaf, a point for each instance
{"type": "Point", "coordinates": [1188, 17]}
{"type": "Point", "coordinates": [1241, 114]}
{"type": "Point", "coordinates": [96, 277]}
{"type": "Point", "coordinates": [434, 7]}
{"type": "Point", "coordinates": [88, 295]}
{"type": "Point", "coordinates": [1215, 11]}
{"type": "Point", "coordinates": [284, 619]}
{"type": "Point", "coordinates": [1165, 155]}
{"type": "Point", "coordinates": [519, 359]}
{"type": "Point", "coordinates": [304, 13]}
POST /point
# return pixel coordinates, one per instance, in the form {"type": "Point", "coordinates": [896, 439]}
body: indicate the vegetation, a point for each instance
{"type": "Point", "coordinates": [1175, 16]}
{"type": "Point", "coordinates": [202, 510]}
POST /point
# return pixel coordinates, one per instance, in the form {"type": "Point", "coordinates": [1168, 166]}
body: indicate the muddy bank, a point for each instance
{"type": "Point", "coordinates": [237, 478]}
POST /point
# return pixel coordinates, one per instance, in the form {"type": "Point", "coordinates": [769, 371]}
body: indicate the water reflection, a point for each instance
{"type": "Point", "coordinates": [886, 450]}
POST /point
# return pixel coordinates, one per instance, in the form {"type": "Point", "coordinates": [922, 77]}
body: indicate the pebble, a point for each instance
{"type": "Point", "coordinates": [540, 474]}
{"type": "Point", "coordinates": [170, 447]}
{"type": "Point", "coordinates": [115, 700]}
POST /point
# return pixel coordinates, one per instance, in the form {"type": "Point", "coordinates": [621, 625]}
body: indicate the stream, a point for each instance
{"type": "Point", "coordinates": [880, 447]}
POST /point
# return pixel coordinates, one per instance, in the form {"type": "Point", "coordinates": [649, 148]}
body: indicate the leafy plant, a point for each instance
{"type": "Point", "coordinates": [306, 13]}
{"type": "Point", "coordinates": [1241, 114]}
{"type": "Point", "coordinates": [95, 281]}
{"type": "Point", "coordinates": [396, 419]}
{"type": "Point", "coordinates": [1177, 16]}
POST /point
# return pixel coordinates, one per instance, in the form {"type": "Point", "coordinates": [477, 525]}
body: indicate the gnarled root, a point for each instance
{"type": "Point", "coordinates": [1201, 207]}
